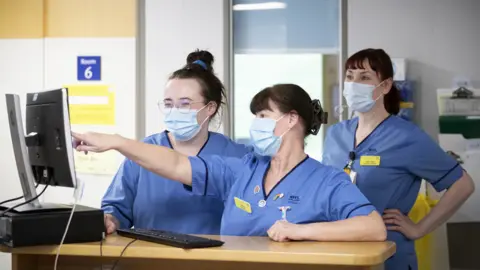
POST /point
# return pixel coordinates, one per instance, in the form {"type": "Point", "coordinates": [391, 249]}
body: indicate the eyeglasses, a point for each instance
{"type": "Point", "coordinates": [183, 106]}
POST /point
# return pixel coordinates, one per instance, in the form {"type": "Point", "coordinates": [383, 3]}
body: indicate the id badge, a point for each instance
{"type": "Point", "coordinates": [370, 161]}
{"type": "Point", "coordinates": [241, 204]}
{"type": "Point", "coordinates": [353, 176]}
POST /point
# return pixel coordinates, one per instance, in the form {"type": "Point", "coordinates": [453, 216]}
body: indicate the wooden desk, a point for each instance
{"type": "Point", "coordinates": [242, 253]}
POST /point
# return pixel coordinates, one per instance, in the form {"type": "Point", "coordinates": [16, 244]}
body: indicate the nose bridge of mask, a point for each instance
{"type": "Point", "coordinates": [176, 116]}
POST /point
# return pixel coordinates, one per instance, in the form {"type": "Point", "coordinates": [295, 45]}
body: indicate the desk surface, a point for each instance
{"type": "Point", "coordinates": [251, 249]}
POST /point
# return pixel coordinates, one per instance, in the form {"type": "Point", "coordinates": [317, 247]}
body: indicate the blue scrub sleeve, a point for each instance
{"type": "Point", "coordinates": [326, 150]}
{"type": "Point", "coordinates": [120, 195]}
{"type": "Point", "coordinates": [214, 175]}
{"type": "Point", "coordinates": [428, 161]}
{"type": "Point", "coordinates": [345, 199]}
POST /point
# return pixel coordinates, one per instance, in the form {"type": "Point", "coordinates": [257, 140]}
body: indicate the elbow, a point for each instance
{"type": "Point", "coordinates": [471, 186]}
{"type": "Point", "coordinates": [467, 184]}
{"type": "Point", "coordinates": [376, 228]}
{"type": "Point", "coordinates": [183, 170]}
{"type": "Point", "coordinates": [381, 234]}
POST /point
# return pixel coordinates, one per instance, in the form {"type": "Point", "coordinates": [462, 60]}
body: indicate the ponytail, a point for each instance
{"type": "Point", "coordinates": [392, 100]}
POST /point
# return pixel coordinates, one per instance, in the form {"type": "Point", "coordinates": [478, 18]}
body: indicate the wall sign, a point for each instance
{"type": "Point", "coordinates": [89, 68]}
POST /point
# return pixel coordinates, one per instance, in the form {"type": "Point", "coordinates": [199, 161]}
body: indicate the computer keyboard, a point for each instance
{"type": "Point", "coordinates": [170, 238]}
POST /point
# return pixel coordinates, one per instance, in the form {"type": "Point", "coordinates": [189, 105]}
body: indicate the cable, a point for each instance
{"type": "Point", "coordinates": [26, 202]}
{"type": "Point", "coordinates": [78, 193]}
{"type": "Point", "coordinates": [121, 254]}
{"type": "Point", "coordinates": [17, 198]}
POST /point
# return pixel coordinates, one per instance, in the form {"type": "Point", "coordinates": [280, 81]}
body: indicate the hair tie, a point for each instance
{"type": "Point", "coordinates": [200, 63]}
{"type": "Point", "coordinates": [319, 117]}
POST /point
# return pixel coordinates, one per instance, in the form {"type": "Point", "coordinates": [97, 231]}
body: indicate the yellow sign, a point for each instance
{"type": "Point", "coordinates": [96, 163]}
{"type": "Point", "coordinates": [91, 105]}
{"type": "Point", "coordinates": [370, 160]}
{"type": "Point", "coordinates": [406, 105]}
{"type": "Point", "coordinates": [245, 206]}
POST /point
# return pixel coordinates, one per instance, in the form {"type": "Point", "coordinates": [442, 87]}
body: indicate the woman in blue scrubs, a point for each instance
{"type": "Point", "coordinates": [139, 198]}
{"type": "Point", "coordinates": [278, 190]}
{"type": "Point", "coordinates": [387, 157]}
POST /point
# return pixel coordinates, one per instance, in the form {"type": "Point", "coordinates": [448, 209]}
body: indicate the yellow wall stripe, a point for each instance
{"type": "Point", "coordinates": [90, 18]}
{"type": "Point", "coordinates": [67, 18]}
{"type": "Point", "coordinates": [21, 18]}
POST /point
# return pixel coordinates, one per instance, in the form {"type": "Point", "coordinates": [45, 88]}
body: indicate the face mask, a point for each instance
{"type": "Point", "coordinates": [183, 125]}
{"type": "Point", "coordinates": [359, 96]}
{"type": "Point", "coordinates": [262, 136]}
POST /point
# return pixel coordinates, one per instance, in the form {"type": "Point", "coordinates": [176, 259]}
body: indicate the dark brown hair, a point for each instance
{"type": "Point", "coordinates": [288, 98]}
{"type": "Point", "coordinates": [381, 63]}
{"type": "Point", "coordinates": [199, 67]}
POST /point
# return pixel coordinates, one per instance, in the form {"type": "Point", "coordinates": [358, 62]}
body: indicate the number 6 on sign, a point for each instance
{"type": "Point", "coordinates": [88, 73]}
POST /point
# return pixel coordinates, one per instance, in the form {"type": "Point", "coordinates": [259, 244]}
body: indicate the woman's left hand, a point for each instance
{"type": "Point", "coordinates": [397, 221]}
{"type": "Point", "coordinates": [283, 231]}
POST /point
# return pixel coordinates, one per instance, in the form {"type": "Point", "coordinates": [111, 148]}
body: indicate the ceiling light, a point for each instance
{"type": "Point", "coordinates": [260, 6]}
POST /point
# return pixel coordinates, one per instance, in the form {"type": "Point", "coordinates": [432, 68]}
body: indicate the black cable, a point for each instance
{"type": "Point", "coordinates": [121, 254]}
{"type": "Point", "coordinates": [26, 202]}
{"type": "Point", "coordinates": [17, 198]}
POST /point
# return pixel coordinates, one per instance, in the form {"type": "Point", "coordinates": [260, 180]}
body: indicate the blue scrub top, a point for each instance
{"type": "Point", "coordinates": [141, 199]}
{"type": "Point", "coordinates": [314, 193]}
{"type": "Point", "coordinates": [407, 155]}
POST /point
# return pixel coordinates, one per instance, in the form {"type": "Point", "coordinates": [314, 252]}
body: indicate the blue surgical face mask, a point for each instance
{"type": "Point", "coordinates": [262, 136]}
{"type": "Point", "coordinates": [359, 96]}
{"type": "Point", "coordinates": [183, 125]}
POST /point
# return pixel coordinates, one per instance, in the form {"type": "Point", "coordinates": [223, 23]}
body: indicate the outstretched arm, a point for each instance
{"type": "Point", "coordinates": [157, 159]}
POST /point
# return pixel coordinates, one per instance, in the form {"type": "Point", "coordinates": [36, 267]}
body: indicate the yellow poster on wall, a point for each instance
{"type": "Point", "coordinates": [96, 163]}
{"type": "Point", "coordinates": [91, 105]}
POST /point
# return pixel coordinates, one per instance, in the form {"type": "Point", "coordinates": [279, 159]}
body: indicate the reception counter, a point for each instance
{"type": "Point", "coordinates": [245, 253]}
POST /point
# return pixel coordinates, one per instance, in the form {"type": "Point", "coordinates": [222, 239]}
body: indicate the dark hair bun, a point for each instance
{"type": "Point", "coordinates": [319, 117]}
{"type": "Point", "coordinates": [200, 58]}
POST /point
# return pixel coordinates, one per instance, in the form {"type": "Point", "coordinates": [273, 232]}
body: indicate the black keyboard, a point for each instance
{"type": "Point", "coordinates": [170, 238]}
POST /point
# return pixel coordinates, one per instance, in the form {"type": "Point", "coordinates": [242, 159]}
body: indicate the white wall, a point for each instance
{"type": "Point", "coordinates": [118, 72]}
{"type": "Point", "coordinates": [173, 29]}
{"type": "Point", "coordinates": [31, 65]}
{"type": "Point", "coordinates": [440, 38]}
{"type": "Point", "coordinates": [21, 71]}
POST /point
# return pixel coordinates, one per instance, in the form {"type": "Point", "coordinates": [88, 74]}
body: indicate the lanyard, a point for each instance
{"type": "Point", "coordinates": [348, 167]}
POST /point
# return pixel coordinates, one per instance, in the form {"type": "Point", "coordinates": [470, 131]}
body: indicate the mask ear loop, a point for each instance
{"type": "Point", "coordinates": [287, 129]}
{"type": "Point", "coordinates": [382, 94]}
{"type": "Point", "coordinates": [206, 118]}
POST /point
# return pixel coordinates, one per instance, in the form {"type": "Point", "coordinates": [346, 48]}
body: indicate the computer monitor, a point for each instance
{"type": "Point", "coordinates": [45, 154]}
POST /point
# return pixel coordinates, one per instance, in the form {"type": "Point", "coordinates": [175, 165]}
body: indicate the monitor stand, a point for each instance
{"type": "Point", "coordinates": [34, 208]}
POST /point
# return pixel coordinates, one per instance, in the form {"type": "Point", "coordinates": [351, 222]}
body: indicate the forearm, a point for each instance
{"type": "Point", "coordinates": [360, 228]}
{"type": "Point", "coordinates": [450, 202]}
{"type": "Point", "coordinates": [157, 159]}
